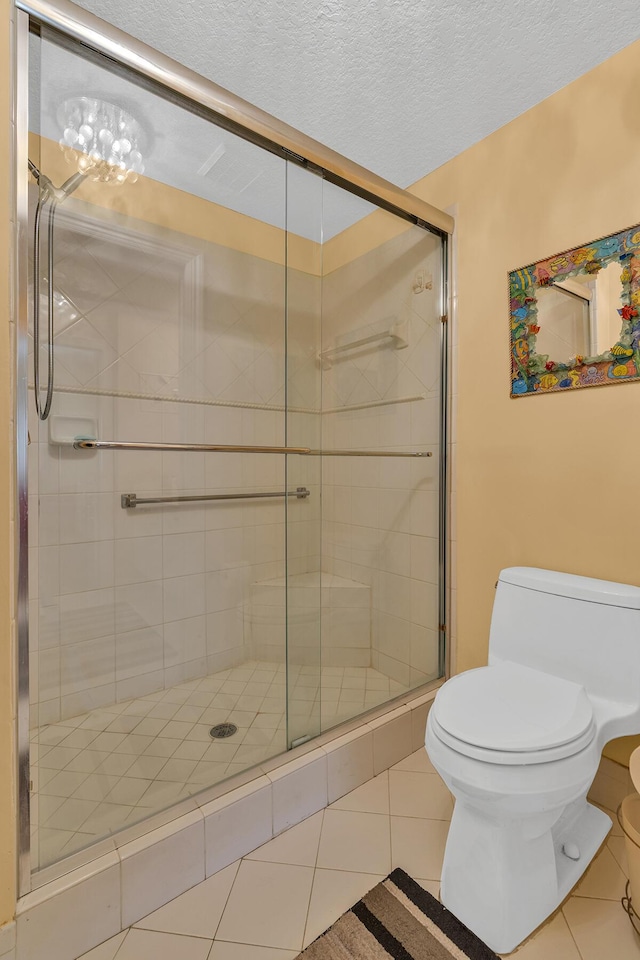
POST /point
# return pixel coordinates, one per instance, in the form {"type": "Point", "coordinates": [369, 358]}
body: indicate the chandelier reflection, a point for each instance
{"type": "Point", "coordinates": [101, 140]}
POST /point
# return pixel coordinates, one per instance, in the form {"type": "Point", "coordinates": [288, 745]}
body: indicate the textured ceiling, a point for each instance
{"type": "Point", "coordinates": [400, 86]}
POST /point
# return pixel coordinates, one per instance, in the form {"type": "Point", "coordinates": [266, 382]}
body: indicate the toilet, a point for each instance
{"type": "Point", "coordinates": [518, 743]}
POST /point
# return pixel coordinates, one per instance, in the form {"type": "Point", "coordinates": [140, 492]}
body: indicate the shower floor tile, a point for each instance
{"type": "Point", "coordinates": [101, 771]}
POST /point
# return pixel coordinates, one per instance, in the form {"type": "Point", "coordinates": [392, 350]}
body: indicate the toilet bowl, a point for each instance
{"type": "Point", "coordinates": [518, 744]}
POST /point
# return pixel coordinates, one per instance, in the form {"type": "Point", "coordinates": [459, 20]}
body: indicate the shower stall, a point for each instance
{"type": "Point", "coordinates": [231, 394]}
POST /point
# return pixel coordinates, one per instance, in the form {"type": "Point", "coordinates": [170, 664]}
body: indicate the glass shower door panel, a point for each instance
{"type": "Point", "coordinates": [304, 428]}
{"type": "Point", "coordinates": [151, 623]}
{"type": "Point", "coordinates": [381, 393]}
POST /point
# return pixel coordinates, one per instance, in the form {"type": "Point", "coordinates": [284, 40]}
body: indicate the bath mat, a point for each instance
{"type": "Point", "coordinates": [398, 919]}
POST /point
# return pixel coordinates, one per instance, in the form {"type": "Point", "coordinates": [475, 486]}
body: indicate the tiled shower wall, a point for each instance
{"type": "Point", "coordinates": [380, 516]}
{"type": "Point", "coordinates": [125, 602]}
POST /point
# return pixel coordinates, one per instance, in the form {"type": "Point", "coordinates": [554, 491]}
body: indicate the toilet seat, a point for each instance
{"type": "Point", "coordinates": [510, 714]}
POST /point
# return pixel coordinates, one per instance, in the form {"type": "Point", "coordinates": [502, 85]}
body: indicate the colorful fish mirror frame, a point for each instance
{"type": "Point", "coordinates": [533, 372]}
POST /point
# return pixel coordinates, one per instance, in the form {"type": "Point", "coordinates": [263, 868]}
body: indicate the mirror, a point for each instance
{"type": "Point", "coordinates": [575, 317]}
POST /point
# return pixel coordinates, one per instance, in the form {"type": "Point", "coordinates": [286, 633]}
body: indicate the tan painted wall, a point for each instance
{"type": "Point", "coordinates": [547, 481]}
{"type": "Point", "coordinates": [7, 709]}
{"type": "Point", "coordinates": [153, 202]}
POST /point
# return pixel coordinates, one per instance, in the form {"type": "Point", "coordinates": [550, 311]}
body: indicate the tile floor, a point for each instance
{"type": "Point", "coordinates": [277, 899]}
{"type": "Point", "coordinates": [98, 772]}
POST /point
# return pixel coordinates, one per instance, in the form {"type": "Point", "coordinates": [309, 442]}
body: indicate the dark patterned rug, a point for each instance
{"type": "Point", "coordinates": [398, 919]}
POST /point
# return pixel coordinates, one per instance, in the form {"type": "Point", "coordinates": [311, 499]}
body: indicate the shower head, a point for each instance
{"type": "Point", "coordinates": [70, 185]}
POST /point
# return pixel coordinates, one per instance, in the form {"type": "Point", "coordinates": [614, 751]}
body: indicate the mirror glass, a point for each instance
{"type": "Point", "coordinates": [564, 317]}
{"type": "Point", "coordinates": [575, 317]}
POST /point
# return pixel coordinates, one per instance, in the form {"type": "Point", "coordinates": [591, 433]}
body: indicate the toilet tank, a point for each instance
{"type": "Point", "coordinates": [575, 627]}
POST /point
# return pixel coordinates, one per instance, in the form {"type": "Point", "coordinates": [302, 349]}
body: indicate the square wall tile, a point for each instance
{"type": "Point", "coordinates": [138, 605]}
{"type": "Point", "coordinates": [86, 566]}
{"type": "Point", "coordinates": [299, 789]}
{"type": "Point", "coordinates": [184, 597]}
{"type": "Point", "coordinates": [85, 517]}
{"type": "Point", "coordinates": [419, 714]}
{"type": "Point", "coordinates": [7, 939]}
{"type": "Point", "coordinates": [138, 559]}
{"type": "Point", "coordinates": [237, 823]}
{"type": "Point", "coordinates": [136, 470]}
{"type": "Point", "coordinates": [160, 866]}
{"type": "Point", "coordinates": [139, 686]}
{"type": "Point", "coordinates": [392, 738]}
{"type": "Point", "coordinates": [88, 664]}
{"type": "Point", "coordinates": [85, 616]}
{"type": "Point", "coordinates": [349, 763]}
{"type": "Point", "coordinates": [78, 471]}
{"type": "Point", "coordinates": [139, 652]}
{"type": "Point", "coordinates": [85, 912]}
{"type": "Point", "coordinates": [183, 554]}
{"type": "Point", "coordinates": [185, 640]}
{"type": "Point", "coordinates": [85, 700]}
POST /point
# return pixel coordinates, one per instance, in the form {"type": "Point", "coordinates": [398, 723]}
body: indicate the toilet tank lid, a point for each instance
{"type": "Point", "coordinates": [570, 585]}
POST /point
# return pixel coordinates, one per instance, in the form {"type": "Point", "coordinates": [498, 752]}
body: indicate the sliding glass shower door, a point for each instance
{"type": "Point", "coordinates": [235, 400]}
{"type": "Point", "coordinates": [364, 389]}
{"type": "Point", "coordinates": [158, 600]}
{"type": "Point", "coordinates": [381, 366]}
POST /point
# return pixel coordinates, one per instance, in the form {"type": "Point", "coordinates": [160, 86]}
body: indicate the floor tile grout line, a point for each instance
{"type": "Point", "coordinates": [241, 943]}
{"type": "Point", "coordinates": [365, 873]}
{"type": "Point", "coordinates": [575, 896]}
{"type": "Point", "coordinates": [126, 934]}
{"type": "Point", "coordinates": [566, 920]}
{"type": "Point", "coordinates": [228, 897]}
{"type": "Point", "coordinates": [168, 933]}
{"type": "Point", "coordinates": [313, 880]}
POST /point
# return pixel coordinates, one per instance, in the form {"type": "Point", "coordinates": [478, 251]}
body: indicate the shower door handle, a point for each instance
{"type": "Point", "coordinates": [86, 443]}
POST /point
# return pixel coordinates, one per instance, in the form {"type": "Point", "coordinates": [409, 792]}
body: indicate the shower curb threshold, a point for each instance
{"type": "Point", "coordinates": [93, 895]}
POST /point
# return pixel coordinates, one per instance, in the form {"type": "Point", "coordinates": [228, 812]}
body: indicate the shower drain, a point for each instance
{"type": "Point", "coordinates": [223, 730]}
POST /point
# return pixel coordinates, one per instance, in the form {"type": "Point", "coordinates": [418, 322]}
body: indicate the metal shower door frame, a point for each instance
{"type": "Point", "coordinates": [230, 112]}
{"type": "Point", "coordinates": [20, 323]}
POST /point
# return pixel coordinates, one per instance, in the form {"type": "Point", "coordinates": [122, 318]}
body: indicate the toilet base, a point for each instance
{"type": "Point", "coordinates": [504, 879]}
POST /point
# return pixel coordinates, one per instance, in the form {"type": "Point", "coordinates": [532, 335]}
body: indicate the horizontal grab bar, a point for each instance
{"type": "Point", "coordinates": [130, 500]}
{"type": "Point", "coordinates": [82, 443]}
{"type": "Point", "coordinates": [375, 338]}
{"type": "Point", "coordinates": [398, 333]}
